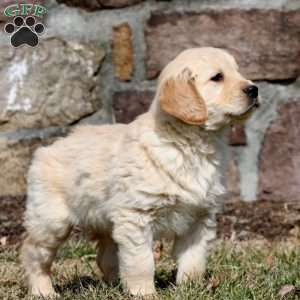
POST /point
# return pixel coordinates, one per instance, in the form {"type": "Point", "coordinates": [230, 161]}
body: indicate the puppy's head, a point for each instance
{"type": "Point", "coordinates": [202, 86]}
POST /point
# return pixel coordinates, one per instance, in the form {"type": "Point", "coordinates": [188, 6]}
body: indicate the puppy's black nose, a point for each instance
{"type": "Point", "coordinates": [251, 91]}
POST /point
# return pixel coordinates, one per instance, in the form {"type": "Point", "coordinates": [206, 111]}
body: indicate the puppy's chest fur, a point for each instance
{"type": "Point", "coordinates": [173, 186]}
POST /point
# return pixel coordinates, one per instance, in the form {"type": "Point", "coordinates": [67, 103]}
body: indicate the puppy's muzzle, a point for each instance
{"type": "Point", "coordinates": [252, 93]}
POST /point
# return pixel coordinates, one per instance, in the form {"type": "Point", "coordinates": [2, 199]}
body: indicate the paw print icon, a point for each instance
{"type": "Point", "coordinates": [24, 31]}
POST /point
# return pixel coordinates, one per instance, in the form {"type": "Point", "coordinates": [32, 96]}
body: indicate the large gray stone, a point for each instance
{"type": "Point", "coordinates": [53, 84]}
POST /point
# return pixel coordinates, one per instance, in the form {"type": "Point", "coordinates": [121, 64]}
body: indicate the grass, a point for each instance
{"type": "Point", "coordinates": [235, 271]}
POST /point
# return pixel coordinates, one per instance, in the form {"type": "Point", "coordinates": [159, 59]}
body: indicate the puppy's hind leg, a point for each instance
{"type": "Point", "coordinates": [47, 224]}
{"type": "Point", "coordinates": [107, 259]}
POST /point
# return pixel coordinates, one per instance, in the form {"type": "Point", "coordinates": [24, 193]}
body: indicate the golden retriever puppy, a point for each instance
{"type": "Point", "coordinates": [127, 185]}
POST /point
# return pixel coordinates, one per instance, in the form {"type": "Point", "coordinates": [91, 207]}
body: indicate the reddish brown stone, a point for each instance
{"type": "Point", "coordinates": [99, 4]}
{"type": "Point", "coordinates": [266, 43]}
{"type": "Point", "coordinates": [237, 135]}
{"type": "Point", "coordinates": [122, 51]}
{"type": "Point", "coordinates": [129, 104]}
{"type": "Point", "coordinates": [279, 173]}
{"type": "Point", "coordinates": [119, 3]}
{"type": "Point", "coordinates": [86, 4]}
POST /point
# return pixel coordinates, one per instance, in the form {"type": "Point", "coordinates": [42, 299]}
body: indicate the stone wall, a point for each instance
{"type": "Point", "coordinates": [98, 62]}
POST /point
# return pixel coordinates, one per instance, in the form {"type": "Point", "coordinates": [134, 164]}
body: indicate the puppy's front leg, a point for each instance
{"type": "Point", "coordinates": [191, 251]}
{"type": "Point", "coordinates": [136, 260]}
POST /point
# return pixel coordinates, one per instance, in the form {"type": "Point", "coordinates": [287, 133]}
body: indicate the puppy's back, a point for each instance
{"type": "Point", "coordinates": [89, 148]}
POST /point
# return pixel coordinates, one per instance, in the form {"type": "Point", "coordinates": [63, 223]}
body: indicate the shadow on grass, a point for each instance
{"type": "Point", "coordinates": [163, 280]}
{"type": "Point", "coordinates": [77, 284]}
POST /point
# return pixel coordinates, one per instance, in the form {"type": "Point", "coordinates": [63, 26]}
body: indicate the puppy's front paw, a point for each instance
{"type": "Point", "coordinates": [142, 290]}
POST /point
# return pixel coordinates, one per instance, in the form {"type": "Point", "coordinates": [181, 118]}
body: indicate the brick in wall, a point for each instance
{"type": "Point", "coordinates": [122, 51]}
{"type": "Point", "coordinates": [266, 43]}
{"type": "Point", "coordinates": [279, 176]}
{"type": "Point", "coordinates": [99, 4]}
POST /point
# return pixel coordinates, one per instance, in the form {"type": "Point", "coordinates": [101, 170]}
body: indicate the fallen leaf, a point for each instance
{"type": "Point", "coordinates": [157, 250]}
{"type": "Point", "coordinates": [295, 232]}
{"type": "Point", "coordinates": [269, 260]}
{"type": "Point", "coordinates": [214, 282]}
{"type": "Point", "coordinates": [3, 241]}
{"type": "Point", "coordinates": [287, 290]}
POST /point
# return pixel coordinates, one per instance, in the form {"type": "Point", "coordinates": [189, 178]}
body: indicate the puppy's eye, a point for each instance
{"type": "Point", "coordinates": [218, 77]}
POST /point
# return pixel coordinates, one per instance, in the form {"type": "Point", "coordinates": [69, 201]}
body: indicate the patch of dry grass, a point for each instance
{"type": "Point", "coordinates": [249, 270]}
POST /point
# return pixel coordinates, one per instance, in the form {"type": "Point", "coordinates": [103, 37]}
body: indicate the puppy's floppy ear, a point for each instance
{"type": "Point", "coordinates": [180, 98]}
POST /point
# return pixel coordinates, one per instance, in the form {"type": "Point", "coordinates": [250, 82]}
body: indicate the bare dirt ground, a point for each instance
{"type": "Point", "coordinates": [11, 219]}
{"type": "Point", "coordinates": [240, 221]}
{"type": "Point", "coordinates": [259, 220]}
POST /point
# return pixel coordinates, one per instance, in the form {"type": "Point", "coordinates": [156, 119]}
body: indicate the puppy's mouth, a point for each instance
{"type": "Point", "coordinates": [244, 115]}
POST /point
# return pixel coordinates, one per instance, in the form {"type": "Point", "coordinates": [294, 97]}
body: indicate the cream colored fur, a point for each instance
{"type": "Point", "coordinates": [127, 185]}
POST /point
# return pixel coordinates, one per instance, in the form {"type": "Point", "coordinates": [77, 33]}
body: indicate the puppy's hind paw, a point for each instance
{"type": "Point", "coordinates": [45, 294]}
